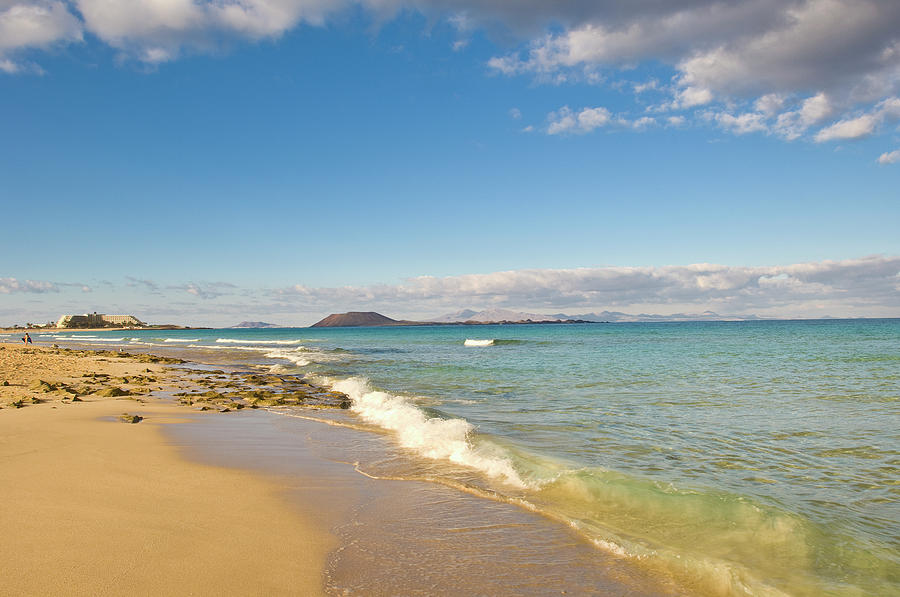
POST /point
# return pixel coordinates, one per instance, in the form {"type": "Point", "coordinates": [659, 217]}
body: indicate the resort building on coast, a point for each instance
{"type": "Point", "coordinates": [98, 320]}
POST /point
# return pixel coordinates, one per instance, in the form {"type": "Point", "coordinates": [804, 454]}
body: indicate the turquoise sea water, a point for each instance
{"type": "Point", "coordinates": [734, 458]}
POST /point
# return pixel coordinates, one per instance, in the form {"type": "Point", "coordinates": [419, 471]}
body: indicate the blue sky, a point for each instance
{"type": "Point", "coordinates": [199, 163]}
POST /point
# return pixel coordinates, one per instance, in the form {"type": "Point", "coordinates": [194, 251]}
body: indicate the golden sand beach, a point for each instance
{"type": "Point", "coordinates": [93, 505]}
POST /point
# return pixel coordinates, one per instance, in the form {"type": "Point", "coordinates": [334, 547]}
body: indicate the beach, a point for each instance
{"type": "Point", "coordinates": [176, 488]}
{"type": "Point", "coordinates": [97, 506]}
{"type": "Point", "coordinates": [708, 459]}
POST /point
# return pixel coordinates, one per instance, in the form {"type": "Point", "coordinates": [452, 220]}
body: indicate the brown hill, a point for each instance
{"type": "Point", "coordinates": [355, 319]}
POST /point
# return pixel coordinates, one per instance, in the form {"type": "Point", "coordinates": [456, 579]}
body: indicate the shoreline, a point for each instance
{"type": "Point", "coordinates": [247, 502]}
{"type": "Point", "coordinates": [97, 506]}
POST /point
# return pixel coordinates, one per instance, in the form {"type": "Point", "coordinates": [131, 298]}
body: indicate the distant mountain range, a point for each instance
{"type": "Point", "coordinates": [490, 315]}
{"type": "Point", "coordinates": [625, 317]}
{"type": "Point", "coordinates": [255, 324]}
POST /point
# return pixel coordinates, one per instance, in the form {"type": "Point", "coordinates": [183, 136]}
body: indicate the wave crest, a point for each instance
{"type": "Point", "coordinates": [431, 437]}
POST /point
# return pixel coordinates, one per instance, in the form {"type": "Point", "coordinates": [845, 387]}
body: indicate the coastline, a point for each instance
{"type": "Point", "coordinates": [250, 502]}
{"type": "Point", "coordinates": [427, 473]}
{"type": "Point", "coordinates": [96, 506]}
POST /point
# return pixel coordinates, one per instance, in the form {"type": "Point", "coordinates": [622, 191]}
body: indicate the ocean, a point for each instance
{"type": "Point", "coordinates": [720, 458]}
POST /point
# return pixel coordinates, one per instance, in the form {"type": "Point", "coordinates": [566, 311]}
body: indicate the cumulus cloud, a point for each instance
{"type": "Point", "coordinates": [863, 125]}
{"type": "Point", "coordinates": [743, 123]}
{"type": "Point", "coordinates": [852, 128]}
{"type": "Point", "coordinates": [816, 69]}
{"type": "Point", "coordinates": [889, 157]}
{"type": "Point", "coordinates": [798, 61]}
{"type": "Point", "coordinates": [27, 24]}
{"type": "Point", "coordinates": [567, 121]}
{"type": "Point", "coordinates": [12, 285]}
{"type": "Point", "coordinates": [154, 32]}
{"type": "Point", "coordinates": [866, 285]}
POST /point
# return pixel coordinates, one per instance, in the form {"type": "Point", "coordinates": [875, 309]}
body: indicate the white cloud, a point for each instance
{"type": "Point", "coordinates": [784, 66]}
{"type": "Point", "coordinates": [794, 123]}
{"type": "Point", "coordinates": [641, 123]}
{"type": "Point", "coordinates": [650, 85]}
{"type": "Point", "coordinates": [515, 113]}
{"type": "Point", "coordinates": [693, 96]}
{"type": "Point", "coordinates": [818, 57]}
{"type": "Point", "coordinates": [566, 121]}
{"type": "Point", "coordinates": [8, 66]}
{"type": "Point", "coordinates": [12, 285]}
{"type": "Point", "coordinates": [889, 157]}
{"type": "Point", "coordinates": [853, 128]}
{"type": "Point", "coordinates": [156, 31]}
{"type": "Point", "coordinates": [867, 285]}
{"type": "Point", "coordinates": [815, 109]}
{"type": "Point", "coordinates": [769, 104]}
{"type": "Point", "coordinates": [887, 110]}
{"type": "Point", "coordinates": [29, 24]}
{"type": "Point", "coordinates": [749, 122]}
{"type": "Point", "coordinates": [585, 121]}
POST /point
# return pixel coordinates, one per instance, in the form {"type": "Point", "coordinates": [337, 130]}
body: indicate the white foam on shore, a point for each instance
{"type": "Point", "coordinates": [275, 342]}
{"type": "Point", "coordinates": [167, 340]}
{"type": "Point", "coordinates": [93, 339]}
{"type": "Point", "coordinates": [214, 347]}
{"type": "Point", "coordinates": [296, 358]}
{"type": "Point", "coordinates": [431, 437]}
{"type": "Point", "coordinates": [473, 342]}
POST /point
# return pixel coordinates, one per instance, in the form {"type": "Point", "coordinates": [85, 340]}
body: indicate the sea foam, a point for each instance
{"type": "Point", "coordinates": [431, 437]}
{"type": "Point", "coordinates": [275, 342]}
{"type": "Point", "coordinates": [473, 342]}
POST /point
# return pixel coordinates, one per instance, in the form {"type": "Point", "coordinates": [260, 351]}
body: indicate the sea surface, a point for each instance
{"type": "Point", "coordinates": [725, 458]}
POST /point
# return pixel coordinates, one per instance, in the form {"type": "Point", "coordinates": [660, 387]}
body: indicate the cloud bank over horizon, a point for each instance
{"type": "Point", "coordinates": [821, 70]}
{"type": "Point", "coordinates": [865, 287]}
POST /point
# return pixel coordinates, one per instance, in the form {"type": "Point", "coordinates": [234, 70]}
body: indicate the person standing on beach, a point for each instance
{"type": "Point", "coordinates": [26, 339]}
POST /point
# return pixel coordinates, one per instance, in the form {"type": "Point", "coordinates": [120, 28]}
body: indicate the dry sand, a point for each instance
{"type": "Point", "coordinates": [95, 506]}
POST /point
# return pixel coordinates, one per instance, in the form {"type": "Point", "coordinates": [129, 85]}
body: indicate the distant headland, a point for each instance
{"type": "Point", "coordinates": [255, 325]}
{"type": "Point", "coordinates": [373, 319]}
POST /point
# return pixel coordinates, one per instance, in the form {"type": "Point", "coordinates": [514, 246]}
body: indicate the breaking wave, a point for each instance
{"type": "Point", "coordinates": [473, 342]}
{"type": "Point", "coordinates": [92, 339]}
{"type": "Point", "coordinates": [264, 342]}
{"type": "Point", "coordinates": [431, 437]}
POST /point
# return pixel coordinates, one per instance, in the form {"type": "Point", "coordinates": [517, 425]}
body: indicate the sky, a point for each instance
{"type": "Point", "coordinates": [205, 163]}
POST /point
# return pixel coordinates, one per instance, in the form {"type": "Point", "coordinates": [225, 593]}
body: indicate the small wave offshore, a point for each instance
{"type": "Point", "coordinates": [89, 339]}
{"type": "Point", "coordinates": [476, 342]}
{"type": "Point", "coordinates": [259, 342]}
